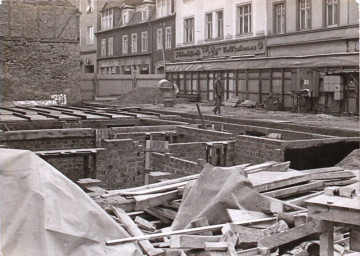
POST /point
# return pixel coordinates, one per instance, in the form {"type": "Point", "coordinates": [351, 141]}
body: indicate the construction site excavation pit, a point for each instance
{"type": "Point", "coordinates": [175, 175]}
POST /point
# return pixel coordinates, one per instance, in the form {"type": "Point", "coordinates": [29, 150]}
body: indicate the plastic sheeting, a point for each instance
{"type": "Point", "coordinates": [214, 191]}
{"type": "Point", "coordinates": [44, 213]}
{"type": "Point", "coordinates": [335, 60]}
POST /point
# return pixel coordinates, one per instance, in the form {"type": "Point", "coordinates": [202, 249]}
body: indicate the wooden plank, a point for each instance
{"type": "Point", "coordinates": [248, 252]}
{"type": "Point", "coordinates": [300, 201]}
{"type": "Point", "coordinates": [201, 116]}
{"type": "Point", "coordinates": [325, 169]}
{"type": "Point", "coordinates": [144, 224]}
{"type": "Point", "coordinates": [247, 237]}
{"type": "Point", "coordinates": [295, 190]}
{"type": "Point", "coordinates": [327, 239]}
{"type": "Point", "coordinates": [259, 166]}
{"type": "Point", "coordinates": [133, 230]}
{"type": "Point", "coordinates": [245, 215]}
{"type": "Point", "coordinates": [165, 212]}
{"type": "Point", "coordinates": [191, 241]}
{"type": "Point", "coordinates": [280, 167]}
{"type": "Point", "coordinates": [148, 201]}
{"type": "Point", "coordinates": [183, 231]}
{"type": "Point", "coordinates": [288, 235]}
{"type": "Point", "coordinates": [332, 175]}
{"type": "Point", "coordinates": [152, 186]}
{"type": "Point", "coordinates": [154, 212]}
{"type": "Point", "coordinates": [216, 246]}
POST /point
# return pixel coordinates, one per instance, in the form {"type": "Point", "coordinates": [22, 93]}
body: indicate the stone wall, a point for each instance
{"type": "Point", "coordinates": [39, 50]}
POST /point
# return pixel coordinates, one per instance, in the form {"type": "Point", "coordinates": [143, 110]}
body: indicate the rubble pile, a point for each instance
{"type": "Point", "coordinates": [240, 210]}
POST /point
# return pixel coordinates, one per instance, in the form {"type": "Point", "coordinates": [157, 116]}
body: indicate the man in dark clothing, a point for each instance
{"type": "Point", "coordinates": [218, 94]}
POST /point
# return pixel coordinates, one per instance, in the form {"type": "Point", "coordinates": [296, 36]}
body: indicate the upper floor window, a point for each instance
{"type": "Point", "coordinates": [159, 39]}
{"type": "Point", "coordinates": [145, 13]}
{"type": "Point", "coordinates": [125, 45]}
{"type": "Point", "coordinates": [126, 15]}
{"type": "Point", "coordinates": [168, 38]}
{"type": "Point", "coordinates": [107, 19]}
{"type": "Point", "coordinates": [244, 19]}
{"type": "Point", "coordinates": [134, 43]}
{"type": "Point", "coordinates": [279, 18]}
{"type": "Point", "coordinates": [332, 12]}
{"type": "Point", "coordinates": [208, 25]}
{"type": "Point", "coordinates": [103, 47]}
{"type": "Point", "coordinates": [219, 24]}
{"type": "Point", "coordinates": [89, 5]}
{"type": "Point", "coordinates": [110, 47]}
{"type": "Point", "coordinates": [144, 41]}
{"type": "Point", "coordinates": [163, 7]}
{"type": "Point", "coordinates": [90, 35]}
{"type": "Point", "coordinates": [188, 30]}
{"type": "Point", "coordinates": [304, 17]}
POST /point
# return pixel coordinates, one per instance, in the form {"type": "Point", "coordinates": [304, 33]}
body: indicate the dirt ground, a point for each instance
{"type": "Point", "coordinates": [349, 122]}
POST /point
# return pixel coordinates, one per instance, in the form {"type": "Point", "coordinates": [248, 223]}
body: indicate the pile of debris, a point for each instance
{"type": "Point", "coordinates": [240, 210]}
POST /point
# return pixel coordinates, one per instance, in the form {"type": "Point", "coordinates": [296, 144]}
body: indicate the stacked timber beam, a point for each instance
{"type": "Point", "coordinates": [148, 211]}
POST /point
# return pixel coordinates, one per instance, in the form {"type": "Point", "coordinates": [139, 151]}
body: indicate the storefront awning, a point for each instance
{"type": "Point", "coordinates": [335, 60]}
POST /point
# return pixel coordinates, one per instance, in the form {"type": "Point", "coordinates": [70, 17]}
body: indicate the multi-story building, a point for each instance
{"type": "Point", "coordinates": [134, 38]}
{"type": "Point", "coordinates": [89, 22]}
{"type": "Point", "coordinates": [304, 52]}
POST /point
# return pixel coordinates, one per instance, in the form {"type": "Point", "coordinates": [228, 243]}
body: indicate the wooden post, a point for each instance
{"type": "Point", "coordinates": [201, 116]}
{"type": "Point", "coordinates": [247, 84]}
{"type": "Point", "coordinates": [236, 82]}
{"type": "Point", "coordinates": [198, 83]}
{"type": "Point", "coordinates": [191, 83]}
{"type": "Point", "coordinates": [355, 239]}
{"type": "Point", "coordinates": [327, 239]}
{"type": "Point", "coordinates": [282, 87]}
{"type": "Point", "coordinates": [260, 88]}
{"type": "Point", "coordinates": [86, 166]}
{"type": "Point", "coordinates": [185, 89]}
{"type": "Point", "coordinates": [271, 80]}
{"type": "Point", "coordinates": [178, 80]}
{"type": "Point", "coordinates": [207, 85]}
{"type": "Point", "coordinates": [227, 85]}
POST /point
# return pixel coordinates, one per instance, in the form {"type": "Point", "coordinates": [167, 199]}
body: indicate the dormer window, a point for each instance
{"type": "Point", "coordinates": [107, 19]}
{"type": "Point", "coordinates": [126, 15]}
{"type": "Point", "coordinates": [90, 6]}
{"type": "Point", "coordinates": [164, 7]}
{"type": "Point", "coordinates": [145, 13]}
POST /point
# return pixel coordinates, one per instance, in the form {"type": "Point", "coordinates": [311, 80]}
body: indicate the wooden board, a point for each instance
{"type": "Point", "coordinates": [332, 175]}
{"type": "Point", "coordinates": [294, 190]}
{"type": "Point", "coordinates": [191, 241]}
{"type": "Point", "coordinates": [148, 201]}
{"type": "Point", "coordinates": [265, 181]}
{"type": "Point", "coordinates": [301, 200]}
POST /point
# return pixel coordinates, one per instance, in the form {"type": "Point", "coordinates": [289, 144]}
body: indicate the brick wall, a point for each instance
{"type": "Point", "coordinates": [254, 150]}
{"type": "Point", "coordinates": [176, 166]}
{"type": "Point", "coordinates": [189, 151]}
{"type": "Point", "coordinates": [39, 46]}
{"type": "Point", "coordinates": [191, 134]}
{"type": "Point", "coordinates": [121, 165]}
{"type": "Point", "coordinates": [50, 139]}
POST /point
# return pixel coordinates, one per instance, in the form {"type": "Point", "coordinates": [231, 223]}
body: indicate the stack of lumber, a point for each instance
{"type": "Point", "coordinates": [148, 211]}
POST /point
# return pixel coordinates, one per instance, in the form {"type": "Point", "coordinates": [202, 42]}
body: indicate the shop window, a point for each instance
{"type": "Point", "coordinates": [144, 69]}
{"type": "Point", "coordinates": [125, 45]}
{"type": "Point", "coordinates": [159, 39]}
{"type": "Point", "coordinates": [208, 25]}
{"type": "Point", "coordinates": [126, 70]}
{"type": "Point", "coordinates": [244, 19]}
{"type": "Point", "coordinates": [304, 14]}
{"type": "Point", "coordinates": [168, 38]}
{"type": "Point", "coordinates": [279, 18]}
{"type": "Point", "coordinates": [189, 30]}
{"type": "Point", "coordinates": [332, 13]}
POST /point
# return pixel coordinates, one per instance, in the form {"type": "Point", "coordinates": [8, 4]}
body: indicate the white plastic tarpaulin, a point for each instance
{"type": "Point", "coordinates": [44, 213]}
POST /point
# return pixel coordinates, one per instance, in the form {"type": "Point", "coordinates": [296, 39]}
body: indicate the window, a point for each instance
{"type": "Point", "coordinates": [90, 6]}
{"type": "Point", "coordinates": [110, 47]}
{"type": "Point", "coordinates": [279, 18]}
{"type": "Point", "coordinates": [219, 24]}
{"type": "Point", "coordinates": [144, 41]}
{"type": "Point", "coordinates": [332, 12]}
{"type": "Point", "coordinates": [163, 8]}
{"type": "Point", "coordinates": [189, 30]}
{"type": "Point", "coordinates": [208, 25]}
{"type": "Point", "coordinates": [244, 19]}
{"type": "Point", "coordinates": [90, 35]}
{"type": "Point", "coordinates": [103, 47]}
{"type": "Point", "coordinates": [168, 7]}
{"type": "Point", "coordinates": [134, 43]}
{"type": "Point", "coordinates": [107, 19]}
{"type": "Point", "coordinates": [126, 16]}
{"type": "Point", "coordinates": [159, 39]}
{"type": "Point", "coordinates": [304, 14]}
{"type": "Point", "coordinates": [145, 14]}
{"type": "Point", "coordinates": [125, 45]}
{"type": "Point", "coordinates": [168, 38]}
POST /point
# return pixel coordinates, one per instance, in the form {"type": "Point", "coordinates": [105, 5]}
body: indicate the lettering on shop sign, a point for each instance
{"type": "Point", "coordinates": [220, 50]}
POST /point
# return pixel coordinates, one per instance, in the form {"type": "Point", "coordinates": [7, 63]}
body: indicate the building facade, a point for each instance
{"type": "Point", "coordinates": [304, 53]}
{"type": "Point", "coordinates": [89, 25]}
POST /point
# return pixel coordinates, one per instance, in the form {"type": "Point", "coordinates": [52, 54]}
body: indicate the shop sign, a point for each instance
{"type": "Point", "coordinates": [220, 50]}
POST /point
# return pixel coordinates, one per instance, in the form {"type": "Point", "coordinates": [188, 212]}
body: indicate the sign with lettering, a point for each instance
{"type": "Point", "coordinates": [238, 48]}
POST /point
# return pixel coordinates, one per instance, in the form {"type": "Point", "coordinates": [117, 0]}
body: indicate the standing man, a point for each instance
{"type": "Point", "coordinates": [218, 93]}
